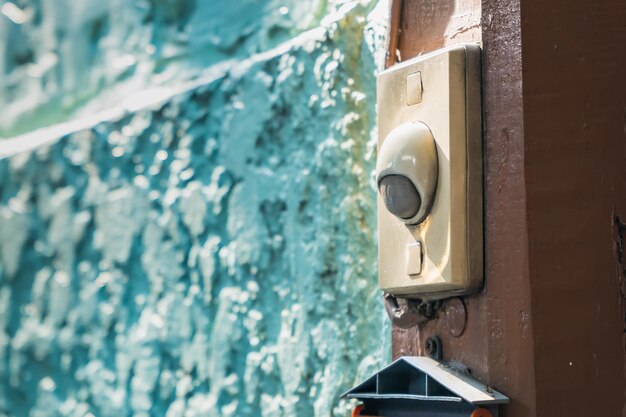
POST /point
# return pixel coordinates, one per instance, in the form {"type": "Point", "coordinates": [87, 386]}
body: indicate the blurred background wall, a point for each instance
{"type": "Point", "coordinates": [202, 242]}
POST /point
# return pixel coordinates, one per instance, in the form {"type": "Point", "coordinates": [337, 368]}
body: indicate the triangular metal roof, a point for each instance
{"type": "Point", "coordinates": [423, 378]}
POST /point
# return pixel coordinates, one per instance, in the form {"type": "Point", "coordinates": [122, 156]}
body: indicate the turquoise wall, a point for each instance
{"type": "Point", "coordinates": [66, 58]}
{"type": "Point", "coordinates": [211, 251]}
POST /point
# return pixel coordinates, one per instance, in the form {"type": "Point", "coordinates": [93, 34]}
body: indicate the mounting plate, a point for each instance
{"type": "Point", "coordinates": [442, 90]}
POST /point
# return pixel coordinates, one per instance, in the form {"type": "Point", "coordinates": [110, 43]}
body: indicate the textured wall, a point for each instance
{"type": "Point", "coordinates": [62, 58]}
{"type": "Point", "coordinates": [213, 255]}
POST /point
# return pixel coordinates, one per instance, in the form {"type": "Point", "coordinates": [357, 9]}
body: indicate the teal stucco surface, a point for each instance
{"type": "Point", "coordinates": [210, 252]}
{"type": "Point", "coordinates": [65, 58]}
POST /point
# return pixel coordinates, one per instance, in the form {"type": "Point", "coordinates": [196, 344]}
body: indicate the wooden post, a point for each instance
{"type": "Point", "coordinates": [548, 329]}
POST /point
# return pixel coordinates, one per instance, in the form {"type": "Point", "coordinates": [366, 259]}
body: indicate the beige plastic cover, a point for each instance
{"type": "Point", "coordinates": [451, 234]}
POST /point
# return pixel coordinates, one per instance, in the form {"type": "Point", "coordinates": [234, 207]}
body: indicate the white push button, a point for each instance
{"type": "Point", "coordinates": [414, 258]}
{"type": "Point", "coordinates": [414, 89]}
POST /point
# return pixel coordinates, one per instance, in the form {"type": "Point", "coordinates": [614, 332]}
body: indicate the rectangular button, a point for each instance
{"type": "Point", "coordinates": [414, 89]}
{"type": "Point", "coordinates": [414, 258]}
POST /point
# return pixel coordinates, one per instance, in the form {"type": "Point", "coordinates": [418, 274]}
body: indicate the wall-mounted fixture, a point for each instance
{"type": "Point", "coordinates": [420, 386]}
{"type": "Point", "coordinates": [429, 175]}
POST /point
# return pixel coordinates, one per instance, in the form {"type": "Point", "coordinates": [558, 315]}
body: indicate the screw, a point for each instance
{"type": "Point", "coordinates": [430, 346]}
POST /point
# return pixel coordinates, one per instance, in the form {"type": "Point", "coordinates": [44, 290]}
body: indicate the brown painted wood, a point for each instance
{"type": "Point", "coordinates": [395, 15]}
{"type": "Point", "coordinates": [555, 180]}
{"type": "Point", "coordinates": [574, 89]}
{"type": "Point", "coordinates": [427, 25]}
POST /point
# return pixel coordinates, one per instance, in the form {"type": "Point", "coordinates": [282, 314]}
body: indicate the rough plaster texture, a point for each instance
{"type": "Point", "coordinates": [63, 58]}
{"type": "Point", "coordinates": [213, 255]}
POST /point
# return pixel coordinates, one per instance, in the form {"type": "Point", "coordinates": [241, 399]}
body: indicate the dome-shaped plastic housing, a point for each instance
{"type": "Point", "coordinates": [407, 170]}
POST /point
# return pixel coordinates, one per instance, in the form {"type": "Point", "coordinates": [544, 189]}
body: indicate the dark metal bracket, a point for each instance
{"type": "Point", "coordinates": [406, 313]}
